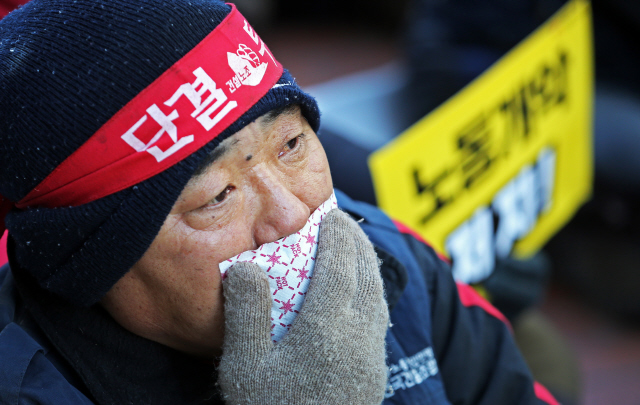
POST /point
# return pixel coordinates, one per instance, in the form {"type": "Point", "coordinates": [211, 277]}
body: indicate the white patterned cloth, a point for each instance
{"type": "Point", "coordinates": [289, 264]}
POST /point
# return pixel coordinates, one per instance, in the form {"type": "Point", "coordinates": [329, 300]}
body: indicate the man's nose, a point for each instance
{"type": "Point", "coordinates": [280, 212]}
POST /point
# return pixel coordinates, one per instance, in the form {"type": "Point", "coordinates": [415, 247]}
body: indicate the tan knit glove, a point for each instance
{"type": "Point", "coordinates": [335, 350]}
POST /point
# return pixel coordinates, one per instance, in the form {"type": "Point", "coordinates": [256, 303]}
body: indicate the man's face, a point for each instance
{"type": "Point", "coordinates": [263, 185]}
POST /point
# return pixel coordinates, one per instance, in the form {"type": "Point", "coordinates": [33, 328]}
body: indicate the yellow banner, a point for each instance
{"type": "Point", "coordinates": [503, 164]}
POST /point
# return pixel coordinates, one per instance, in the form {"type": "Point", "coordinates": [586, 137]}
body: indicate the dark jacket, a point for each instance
{"type": "Point", "coordinates": [446, 345]}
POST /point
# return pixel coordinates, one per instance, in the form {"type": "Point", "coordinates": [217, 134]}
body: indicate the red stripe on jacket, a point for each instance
{"type": "Point", "coordinates": [543, 394]}
{"type": "Point", "coordinates": [469, 298]}
{"type": "Point", "coordinates": [3, 248]}
{"type": "Point", "coordinates": [406, 230]}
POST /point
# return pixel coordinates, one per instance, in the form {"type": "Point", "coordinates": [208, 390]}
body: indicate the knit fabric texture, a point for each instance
{"type": "Point", "coordinates": [66, 67]}
{"type": "Point", "coordinates": [334, 352]}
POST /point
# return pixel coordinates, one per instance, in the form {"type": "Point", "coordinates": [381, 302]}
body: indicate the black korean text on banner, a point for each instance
{"type": "Point", "coordinates": [525, 122]}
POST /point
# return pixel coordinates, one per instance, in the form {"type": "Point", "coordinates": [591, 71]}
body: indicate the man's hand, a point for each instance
{"type": "Point", "coordinates": [335, 350]}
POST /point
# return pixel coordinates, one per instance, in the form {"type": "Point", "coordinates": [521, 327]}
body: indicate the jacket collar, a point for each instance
{"type": "Point", "coordinates": [394, 274]}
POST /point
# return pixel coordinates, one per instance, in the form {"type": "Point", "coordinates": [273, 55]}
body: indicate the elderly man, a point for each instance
{"type": "Point", "coordinates": [144, 143]}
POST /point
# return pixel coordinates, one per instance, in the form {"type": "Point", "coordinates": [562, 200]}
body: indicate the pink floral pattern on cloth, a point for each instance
{"type": "Point", "coordinates": [289, 264]}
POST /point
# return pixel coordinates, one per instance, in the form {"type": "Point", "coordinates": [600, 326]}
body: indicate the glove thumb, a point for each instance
{"type": "Point", "coordinates": [247, 310]}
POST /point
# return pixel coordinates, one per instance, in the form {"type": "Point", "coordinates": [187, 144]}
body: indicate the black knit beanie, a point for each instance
{"type": "Point", "coordinates": [66, 67]}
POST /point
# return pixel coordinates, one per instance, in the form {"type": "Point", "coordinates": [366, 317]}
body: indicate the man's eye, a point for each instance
{"type": "Point", "coordinates": [222, 196]}
{"type": "Point", "coordinates": [291, 145]}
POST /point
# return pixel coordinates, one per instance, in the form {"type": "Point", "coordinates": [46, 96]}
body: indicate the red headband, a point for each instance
{"type": "Point", "coordinates": [186, 107]}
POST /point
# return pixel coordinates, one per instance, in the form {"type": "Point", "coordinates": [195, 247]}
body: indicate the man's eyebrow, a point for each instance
{"type": "Point", "coordinates": [272, 116]}
{"type": "Point", "coordinates": [218, 152]}
{"type": "Point", "coordinates": [214, 155]}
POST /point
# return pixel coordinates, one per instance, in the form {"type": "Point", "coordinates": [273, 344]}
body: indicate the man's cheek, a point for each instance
{"type": "Point", "coordinates": [318, 162]}
{"type": "Point", "coordinates": [315, 181]}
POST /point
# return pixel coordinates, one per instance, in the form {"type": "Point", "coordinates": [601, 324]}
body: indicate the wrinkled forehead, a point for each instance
{"type": "Point", "coordinates": [263, 124]}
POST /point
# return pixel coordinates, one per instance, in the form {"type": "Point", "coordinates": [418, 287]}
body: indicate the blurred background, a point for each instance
{"type": "Point", "coordinates": [378, 66]}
